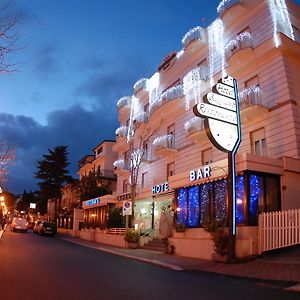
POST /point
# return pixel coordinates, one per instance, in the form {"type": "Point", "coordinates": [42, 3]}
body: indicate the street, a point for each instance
{"type": "Point", "coordinates": [39, 267]}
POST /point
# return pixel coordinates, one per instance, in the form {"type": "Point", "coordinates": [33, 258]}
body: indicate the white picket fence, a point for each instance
{"type": "Point", "coordinates": [279, 229]}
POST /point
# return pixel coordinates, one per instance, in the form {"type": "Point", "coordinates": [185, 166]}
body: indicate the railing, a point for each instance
{"type": "Point", "coordinates": [166, 141]}
{"type": "Point", "coordinates": [226, 4]}
{"type": "Point", "coordinates": [194, 124]}
{"type": "Point", "coordinates": [146, 232]}
{"type": "Point", "coordinates": [250, 96]}
{"type": "Point", "coordinates": [197, 33]}
{"type": "Point", "coordinates": [279, 229]}
{"type": "Point", "coordinates": [116, 231]}
{"type": "Point", "coordinates": [140, 85]}
{"type": "Point", "coordinates": [124, 102]}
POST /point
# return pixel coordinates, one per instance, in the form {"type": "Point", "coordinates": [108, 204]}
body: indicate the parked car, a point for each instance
{"type": "Point", "coordinates": [36, 226]}
{"type": "Point", "coordinates": [47, 228]}
{"type": "Point", "coordinates": [19, 224]}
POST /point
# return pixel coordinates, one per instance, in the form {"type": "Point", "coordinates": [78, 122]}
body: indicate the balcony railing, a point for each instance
{"type": "Point", "coordinates": [173, 93]}
{"type": "Point", "coordinates": [124, 102]}
{"type": "Point", "coordinates": [196, 33]}
{"type": "Point", "coordinates": [120, 167]}
{"type": "Point", "coordinates": [140, 85]}
{"type": "Point", "coordinates": [164, 145]}
{"type": "Point", "coordinates": [242, 41]}
{"type": "Point", "coordinates": [251, 105]}
{"type": "Point", "coordinates": [226, 4]}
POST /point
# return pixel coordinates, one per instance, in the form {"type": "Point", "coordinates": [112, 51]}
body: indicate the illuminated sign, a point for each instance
{"type": "Point", "coordinates": [32, 205]}
{"type": "Point", "coordinates": [160, 188]}
{"type": "Point", "coordinates": [91, 202]}
{"type": "Point", "coordinates": [200, 173]}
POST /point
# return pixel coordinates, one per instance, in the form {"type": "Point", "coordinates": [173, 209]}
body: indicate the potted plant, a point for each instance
{"type": "Point", "coordinates": [219, 235]}
{"type": "Point", "coordinates": [132, 238]}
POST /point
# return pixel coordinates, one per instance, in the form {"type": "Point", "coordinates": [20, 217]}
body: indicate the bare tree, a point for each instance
{"type": "Point", "coordinates": [137, 139]}
{"type": "Point", "coordinates": [8, 38]}
{"type": "Point", "coordinates": [7, 155]}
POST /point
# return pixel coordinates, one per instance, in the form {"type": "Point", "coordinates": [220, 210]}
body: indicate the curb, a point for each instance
{"type": "Point", "coordinates": [150, 261]}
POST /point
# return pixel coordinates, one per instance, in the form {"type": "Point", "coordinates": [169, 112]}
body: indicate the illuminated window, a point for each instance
{"type": "Point", "coordinates": [170, 169]}
{"type": "Point", "coordinates": [207, 156]}
{"type": "Point", "coordinates": [258, 142]}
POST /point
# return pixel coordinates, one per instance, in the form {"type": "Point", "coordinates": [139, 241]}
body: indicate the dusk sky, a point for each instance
{"type": "Point", "coordinates": [77, 59]}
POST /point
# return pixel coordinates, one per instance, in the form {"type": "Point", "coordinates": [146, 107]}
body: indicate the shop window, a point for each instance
{"type": "Point", "coordinates": [256, 194]}
{"type": "Point", "coordinates": [193, 207]}
{"type": "Point", "coordinates": [220, 194]}
{"type": "Point", "coordinates": [258, 142]}
{"type": "Point", "coordinates": [240, 199]}
{"type": "Point", "coordinates": [182, 206]}
{"type": "Point", "coordinates": [144, 179]}
{"type": "Point", "coordinates": [171, 131]}
{"type": "Point", "coordinates": [170, 169]}
{"type": "Point", "coordinates": [207, 156]}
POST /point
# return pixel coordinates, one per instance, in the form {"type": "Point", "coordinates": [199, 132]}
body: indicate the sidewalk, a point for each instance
{"type": "Point", "coordinates": [284, 267]}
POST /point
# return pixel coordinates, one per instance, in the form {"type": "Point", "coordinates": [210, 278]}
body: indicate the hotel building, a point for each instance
{"type": "Point", "coordinates": [181, 172]}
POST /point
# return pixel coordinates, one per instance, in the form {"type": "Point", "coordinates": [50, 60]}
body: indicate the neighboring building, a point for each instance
{"type": "Point", "coordinates": [70, 196]}
{"type": "Point", "coordinates": [96, 210]}
{"type": "Point", "coordinates": [256, 42]}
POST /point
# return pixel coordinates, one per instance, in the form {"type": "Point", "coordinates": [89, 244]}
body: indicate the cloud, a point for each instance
{"type": "Point", "coordinates": [45, 62]}
{"type": "Point", "coordinates": [81, 130]}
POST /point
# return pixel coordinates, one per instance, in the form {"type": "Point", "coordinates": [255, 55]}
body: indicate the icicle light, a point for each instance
{"type": "Point", "coordinates": [121, 131]}
{"type": "Point", "coordinates": [194, 124]}
{"type": "Point", "coordinates": [123, 102]}
{"type": "Point", "coordinates": [281, 20]}
{"type": "Point", "coordinates": [162, 141]}
{"type": "Point", "coordinates": [196, 33]}
{"type": "Point", "coordinates": [225, 4]}
{"type": "Point", "coordinates": [216, 48]}
{"type": "Point", "coordinates": [172, 93]}
{"type": "Point", "coordinates": [140, 85]}
{"type": "Point", "coordinates": [250, 96]}
{"type": "Point", "coordinates": [193, 85]}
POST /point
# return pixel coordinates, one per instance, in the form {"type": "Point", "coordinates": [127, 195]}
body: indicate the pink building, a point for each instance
{"type": "Point", "coordinates": [256, 42]}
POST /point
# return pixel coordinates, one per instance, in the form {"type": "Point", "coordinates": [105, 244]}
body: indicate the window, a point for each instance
{"type": "Point", "coordinates": [144, 179]}
{"type": "Point", "coordinates": [146, 155]}
{"type": "Point", "coordinates": [258, 142]}
{"type": "Point", "coordinates": [171, 131]}
{"type": "Point", "coordinates": [170, 169]}
{"type": "Point", "coordinates": [100, 150]}
{"type": "Point", "coordinates": [125, 186]}
{"type": "Point", "coordinates": [207, 156]}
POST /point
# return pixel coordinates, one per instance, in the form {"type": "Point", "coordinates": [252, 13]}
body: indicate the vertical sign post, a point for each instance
{"type": "Point", "coordinates": [220, 110]}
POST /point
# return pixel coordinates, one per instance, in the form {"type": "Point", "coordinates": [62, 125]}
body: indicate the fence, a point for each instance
{"type": "Point", "coordinates": [279, 229]}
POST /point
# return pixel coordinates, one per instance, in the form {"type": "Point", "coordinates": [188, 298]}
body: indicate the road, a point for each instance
{"type": "Point", "coordinates": [37, 267]}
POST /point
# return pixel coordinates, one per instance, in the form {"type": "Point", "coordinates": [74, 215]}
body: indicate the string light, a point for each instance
{"type": "Point", "coordinates": [140, 85]}
{"type": "Point", "coordinates": [225, 4]}
{"type": "Point", "coordinates": [172, 93]}
{"type": "Point", "coordinates": [121, 131]}
{"type": "Point", "coordinates": [196, 33]}
{"type": "Point", "coordinates": [250, 96]}
{"type": "Point", "coordinates": [182, 206]}
{"type": "Point", "coordinates": [124, 101]}
{"type": "Point", "coordinates": [119, 164]}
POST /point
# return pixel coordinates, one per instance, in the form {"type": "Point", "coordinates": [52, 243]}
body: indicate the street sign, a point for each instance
{"type": "Point", "coordinates": [127, 208]}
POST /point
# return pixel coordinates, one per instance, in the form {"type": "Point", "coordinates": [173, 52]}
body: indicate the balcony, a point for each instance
{"type": "Point", "coordinates": [141, 87]}
{"type": "Point", "coordinates": [121, 140]}
{"type": "Point", "coordinates": [251, 103]}
{"type": "Point", "coordinates": [120, 167]}
{"type": "Point", "coordinates": [195, 34]}
{"type": "Point", "coordinates": [233, 8]}
{"type": "Point", "coordinates": [195, 130]}
{"type": "Point", "coordinates": [164, 146]}
{"type": "Point", "coordinates": [169, 96]}
{"type": "Point", "coordinates": [239, 47]}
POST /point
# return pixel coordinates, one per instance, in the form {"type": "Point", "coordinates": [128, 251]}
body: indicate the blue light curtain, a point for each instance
{"type": "Point", "coordinates": [240, 199]}
{"type": "Point", "coordinates": [193, 206]}
{"type": "Point", "coordinates": [182, 205]}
